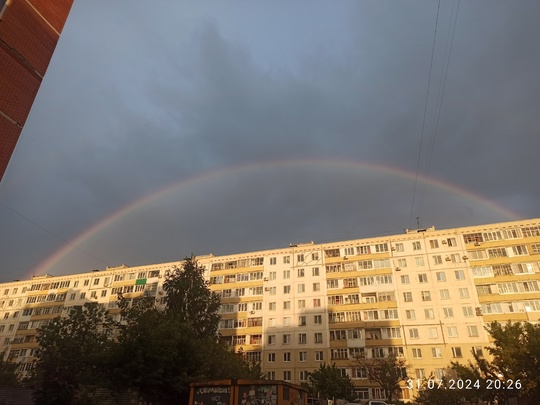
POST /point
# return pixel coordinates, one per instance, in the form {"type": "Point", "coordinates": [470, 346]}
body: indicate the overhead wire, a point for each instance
{"type": "Point", "coordinates": [52, 233]}
{"type": "Point", "coordinates": [442, 88]}
{"type": "Point", "coordinates": [425, 114]}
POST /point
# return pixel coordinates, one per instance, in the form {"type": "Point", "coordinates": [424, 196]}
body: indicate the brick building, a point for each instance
{"type": "Point", "coordinates": [29, 31]}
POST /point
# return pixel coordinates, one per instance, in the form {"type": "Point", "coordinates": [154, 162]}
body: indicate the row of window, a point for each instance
{"type": "Point", "coordinates": [515, 233]}
{"type": "Point", "coordinates": [444, 294]}
{"type": "Point", "coordinates": [432, 332]}
{"type": "Point", "coordinates": [302, 356]}
{"type": "Point", "coordinates": [440, 276]}
{"type": "Point", "coordinates": [429, 313]}
{"type": "Point", "coordinates": [302, 338]}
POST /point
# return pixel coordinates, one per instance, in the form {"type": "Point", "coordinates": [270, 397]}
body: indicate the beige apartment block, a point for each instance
{"type": "Point", "coordinates": [424, 295]}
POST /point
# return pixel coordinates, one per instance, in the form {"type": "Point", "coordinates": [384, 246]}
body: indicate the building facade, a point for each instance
{"type": "Point", "coordinates": [29, 31]}
{"type": "Point", "coordinates": [424, 295]}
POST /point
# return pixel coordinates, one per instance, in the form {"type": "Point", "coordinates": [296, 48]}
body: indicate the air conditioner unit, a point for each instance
{"type": "Point", "coordinates": [266, 288]}
{"type": "Point", "coordinates": [447, 259]}
{"type": "Point", "coordinates": [265, 279]}
{"type": "Point", "coordinates": [393, 248]}
{"type": "Point", "coordinates": [251, 312]}
{"type": "Point", "coordinates": [476, 243]}
{"type": "Point", "coordinates": [345, 258]}
{"type": "Point", "coordinates": [465, 257]}
{"type": "Point", "coordinates": [444, 242]}
{"type": "Point", "coordinates": [398, 268]}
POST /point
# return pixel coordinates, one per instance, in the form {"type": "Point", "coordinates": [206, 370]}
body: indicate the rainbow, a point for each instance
{"type": "Point", "coordinates": [48, 264]}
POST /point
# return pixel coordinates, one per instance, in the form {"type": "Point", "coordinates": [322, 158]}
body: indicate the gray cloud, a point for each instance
{"type": "Point", "coordinates": [159, 95]}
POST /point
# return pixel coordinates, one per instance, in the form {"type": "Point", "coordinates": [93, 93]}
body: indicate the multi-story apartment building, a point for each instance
{"type": "Point", "coordinates": [425, 295]}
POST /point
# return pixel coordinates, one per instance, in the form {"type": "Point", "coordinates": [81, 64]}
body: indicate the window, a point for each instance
{"type": "Point", "coordinates": [460, 274]}
{"type": "Point", "coordinates": [287, 376]}
{"type": "Point", "coordinates": [349, 251]}
{"type": "Point", "coordinates": [316, 286]}
{"type": "Point", "coordinates": [319, 356]}
{"type": "Point", "coordinates": [286, 289]}
{"type": "Point", "coordinates": [448, 312]}
{"type": "Point", "coordinates": [315, 256]}
{"type": "Point", "coordinates": [399, 247]}
{"type": "Point", "coordinates": [467, 311]}
{"type": "Point", "coordinates": [271, 306]}
{"type": "Point", "coordinates": [272, 290]}
{"type": "Point", "coordinates": [433, 333]}
{"type": "Point", "coordinates": [473, 330]}
{"type": "Point", "coordinates": [271, 339]}
{"type": "Point", "coordinates": [381, 247]}
{"type": "Point", "coordinates": [287, 305]}
{"type": "Point", "coordinates": [332, 284]}
{"type": "Point", "coordinates": [436, 352]}
{"type": "Point", "coordinates": [286, 341]}
{"type": "Point", "coordinates": [402, 263]}
{"type": "Point", "coordinates": [302, 321]}
{"type": "Point", "coordinates": [301, 272]}
{"type": "Point", "coordinates": [422, 278]}
{"type": "Point", "coordinates": [273, 261]}
{"type": "Point", "coordinates": [86, 282]}
{"type": "Point", "coordinates": [437, 259]}
{"type": "Point", "coordinates": [83, 296]}
{"type": "Point", "coordinates": [417, 353]}
{"type": "Point", "coordinates": [407, 296]}
{"type": "Point", "coordinates": [301, 303]}
{"type": "Point", "coordinates": [413, 333]}
{"type": "Point", "coordinates": [409, 314]}
{"type": "Point", "coordinates": [286, 259]}
{"type": "Point", "coordinates": [287, 321]}
{"type": "Point", "coordinates": [451, 242]}
{"type": "Point", "coordinates": [419, 261]}
{"type": "Point", "coordinates": [452, 331]}
{"type": "Point", "coordinates": [302, 356]}
{"type": "Point", "coordinates": [456, 352]}
{"type": "Point", "coordinates": [271, 321]}
{"type": "Point", "coordinates": [420, 373]}
{"type": "Point", "coordinates": [317, 319]}
{"type": "Point", "coordinates": [286, 274]}
{"type": "Point", "coordinates": [272, 275]}
{"type": "Point", "coordinates": [300, 257]}
{"type": "Point", "coordinates": [416, 246]}
{"type": "Point", "coordinates": [287, 356]}
{"type": "Point", "coordinates": [271, 357]}
{"type": "Point", "coordinates": [405, 279]}
{"type": "Point", "coordinates": [429, 313]}
{"type": "Point", "coordinates": [318, 337]}
{"type": "Point", "coordinates": [441, 276]}
{"type": "Point", "coordinates": [315, 271]}
{"type": "Point", "coordinates": [426, 296]}
{"type": "Point", "coordinates": [302, 338]}
{"type": "Point", "coordinates": [445, 294]}
{"type": "Point", "coordinates": [464, 292]}
{"type": "Point", "coordinates": [478, 351]}
{"type": "Point", "coordinates": [433, 243]}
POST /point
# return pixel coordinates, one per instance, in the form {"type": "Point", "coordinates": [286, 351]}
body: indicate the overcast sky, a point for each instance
{"type": "Point", "coordinates": [277, 121]}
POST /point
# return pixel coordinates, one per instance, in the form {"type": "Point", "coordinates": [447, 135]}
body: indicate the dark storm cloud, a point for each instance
{"type": "Point", "coordinates": [163, 94]}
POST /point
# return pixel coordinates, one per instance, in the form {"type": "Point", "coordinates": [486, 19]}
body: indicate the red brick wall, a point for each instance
{"type": "Point", "coordinates": [28, 35]}
{"type": "Point", "coordinates": [23, 29]}
{"type": "Point", "coordinates": [54, 11]}
{"type": "Point", "coordinates": [9, 134]}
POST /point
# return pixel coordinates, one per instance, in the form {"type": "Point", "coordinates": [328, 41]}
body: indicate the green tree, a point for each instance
{"type": "Point", "coordinates": [190, 300]}
{"type": "Point", "coordinates": [387, 372]}
{"type": "Point", "coordinates": [8, 373]}
{"type": "Point", "coordinates": [438, 392]}
{"type": "Point", "coordinates": [328, 383]}
{"type": "Point", "coordinates": [162, 350]}
{"type": "Point", "coordinates": [72, 359]}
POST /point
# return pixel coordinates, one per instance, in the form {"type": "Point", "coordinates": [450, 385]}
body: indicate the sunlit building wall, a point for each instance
{"type": "Point", "coordinates": [424, 295]}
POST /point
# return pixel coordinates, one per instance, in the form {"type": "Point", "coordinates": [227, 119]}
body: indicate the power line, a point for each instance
{"type": "Point", "coordinates": [52, 233]}
{"type": "Point", "coordinates": [442, 87]}
{"type": "Point", "coordinates": [425, 113]}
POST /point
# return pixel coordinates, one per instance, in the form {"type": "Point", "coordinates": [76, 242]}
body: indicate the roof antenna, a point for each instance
{"type": "Point", "coordinates": [418, 222]}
